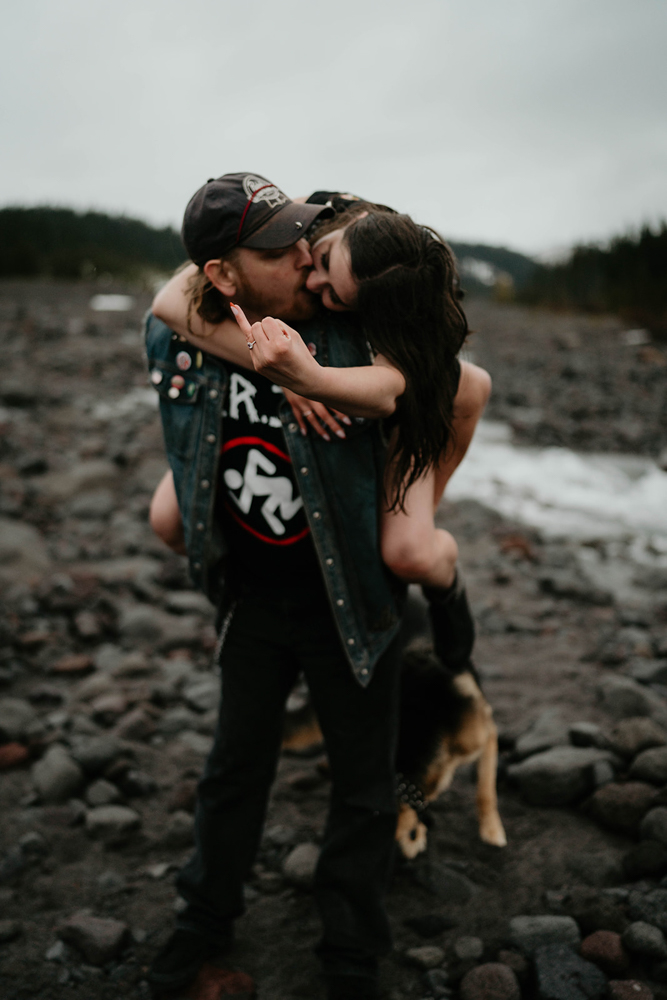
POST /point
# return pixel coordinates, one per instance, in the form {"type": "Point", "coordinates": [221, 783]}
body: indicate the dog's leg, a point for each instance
{"type": "Point", "coordinates": [410, 832]}
{"type": "Point", "coordinates": [490, 824]}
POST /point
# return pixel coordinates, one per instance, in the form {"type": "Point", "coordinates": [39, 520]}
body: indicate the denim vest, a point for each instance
{"type": "Point", "coordinates": [340, 483]}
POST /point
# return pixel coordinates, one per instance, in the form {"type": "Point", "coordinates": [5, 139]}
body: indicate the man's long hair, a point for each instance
{"type": "Point", "coordinates": [408, 301]}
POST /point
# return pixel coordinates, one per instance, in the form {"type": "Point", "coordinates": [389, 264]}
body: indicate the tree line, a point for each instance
{"type": "Point", "coordinates": [628, 277]}
{"type": "Point", "coordinates": [62, 243]}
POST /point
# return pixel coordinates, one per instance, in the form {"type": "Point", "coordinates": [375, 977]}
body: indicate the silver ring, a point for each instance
{"type": "Point", "coordinates": [307, 413]}
{"type": "Point", "coordinates": [251, 345]}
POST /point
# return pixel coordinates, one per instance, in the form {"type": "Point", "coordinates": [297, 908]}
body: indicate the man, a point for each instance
{"type": "Point", "coordinates": [276, 599]}
{"type": "Point", "coordinates": [293, 521]}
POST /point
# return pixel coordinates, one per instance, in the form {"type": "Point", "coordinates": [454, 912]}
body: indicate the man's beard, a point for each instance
{"type": "Point", "coordinates": [304, 304]}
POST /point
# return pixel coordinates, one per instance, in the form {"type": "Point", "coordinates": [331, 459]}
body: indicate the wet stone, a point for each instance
{"type": "Point", "coordinates": [299, 865]}
{"type": "Point", "coordinates": [654, 825]}
{"type": "Point", "coordinates": [112, 823]}
{"type": "Point", "coordinates": [650, 907]}
{"type": "Point", "coordinates": [98, 939]}
{"type": "Point", "coordinates": [633, 735]}
{"type": "Point", "coordinates": [629, 989]}
{"type": "Point", "coordinates": [645, 860]}
{"type": "Point", "coordinates": [427, 956]}
{"type": "Point", "coordinates": [549, 730]}
{"type": "Point", "coordinates": [561, 974]}
{"type": "Point", "coordinates": [493, 981]}
{"type": "Point", "coordinates": [621, 807]}
{"type": "Point", "coordinates": [646, 940]}
{"type": "Point", "coordinates": [57, 776]}
{"type": "Point", "coordinates": [468, 949]}
{"type": "Point", "coordinates": [180, 830]}
{"type": "Point", "coordinates": [651, 765]}
{"type": "Point", "coordinates": [102, 793]}
{"type": "Point", "coordinates": [16, 716]}
{"type": "Point", "coordinates": [558, 776]}
{"type": "Point", "coordinates": [622, 698]}
{"type": "Point", "coordinates": [606, 950]}
{"type": "Point", "coordinates": [529, 933]}
{"type": "Point", "coordinates": [137, 724]}
{"type": "Point", "coordinates": [10, 930]}
{"type": "Point", "coordinates": [95, 753]}
{"type": "Point", "coordinates": [586, 734]}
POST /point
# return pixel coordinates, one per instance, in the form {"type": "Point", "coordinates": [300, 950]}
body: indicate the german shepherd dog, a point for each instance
{"type": "Point", "coordinates": [445, 721]}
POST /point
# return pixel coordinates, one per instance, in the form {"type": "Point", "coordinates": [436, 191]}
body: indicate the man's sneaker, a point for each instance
{"type": "Point", "coordinates": [177, 964]}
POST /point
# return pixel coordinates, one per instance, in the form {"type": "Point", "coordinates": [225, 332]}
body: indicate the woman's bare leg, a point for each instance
{"type": "Point", "coordinates": [412, 547]}
{"type": "Point", "coordinates": [165, 516]}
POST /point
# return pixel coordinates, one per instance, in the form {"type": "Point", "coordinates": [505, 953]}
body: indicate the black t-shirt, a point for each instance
{"type": "Point", "coordinates": [259, 505]}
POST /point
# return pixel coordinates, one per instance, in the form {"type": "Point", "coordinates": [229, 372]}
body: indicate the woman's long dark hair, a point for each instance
{"type": "Point", "coordinates": [408, 302]}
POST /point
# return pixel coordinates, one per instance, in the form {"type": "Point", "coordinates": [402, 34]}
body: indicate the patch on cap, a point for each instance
{"type": "Point", "coordinates": [257, 189]}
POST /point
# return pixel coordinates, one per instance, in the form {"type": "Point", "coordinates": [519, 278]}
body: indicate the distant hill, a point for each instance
{"type": "Point", "coordinates": [484, 268]}
{"type": "Point", "coordinates": [62, 243]}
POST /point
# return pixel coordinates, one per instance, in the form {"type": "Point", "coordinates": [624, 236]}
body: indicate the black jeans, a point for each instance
{"type": "Point", "coordinates": [272, 637]}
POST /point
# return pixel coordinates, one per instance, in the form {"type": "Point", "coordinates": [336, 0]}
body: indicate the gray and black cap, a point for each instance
{"type": "Point", "coordinates": [243, 210]}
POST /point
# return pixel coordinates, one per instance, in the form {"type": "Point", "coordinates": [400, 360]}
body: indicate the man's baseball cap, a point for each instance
{"type": "Point", "coordinates": [243, 210]}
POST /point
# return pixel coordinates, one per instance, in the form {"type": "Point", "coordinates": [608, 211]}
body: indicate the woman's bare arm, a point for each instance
{"type": "Point", "coordinates": [279, 353]}
{"type": "Point", "coordinates": [222, 339]}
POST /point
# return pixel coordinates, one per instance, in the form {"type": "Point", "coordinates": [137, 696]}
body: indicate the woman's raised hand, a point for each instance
{"type": "Point", "coordinates": [279, 353]}
{"type": "Point", "coordinates": [319, 416]}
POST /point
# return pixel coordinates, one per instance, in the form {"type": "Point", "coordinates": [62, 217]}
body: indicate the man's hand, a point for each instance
{"type": "Point", "coordinates": [279, 353]}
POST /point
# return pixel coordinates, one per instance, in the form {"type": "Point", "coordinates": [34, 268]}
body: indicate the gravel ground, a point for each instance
{"type": "Point", "coordinates": [108, 699]}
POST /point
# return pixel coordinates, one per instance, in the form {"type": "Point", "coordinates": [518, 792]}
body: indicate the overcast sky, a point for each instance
{"type": "Point", "coordinates": [528, 123]}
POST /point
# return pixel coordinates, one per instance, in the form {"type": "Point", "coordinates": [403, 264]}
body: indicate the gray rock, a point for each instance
{"type": "Point", "coordinates": [654, 825]}
{"type": "Point", "coordinates": [586, 734]}
{"type": "Point", "coordinates": [95, 753]}
{"type": "Point", "coordinates": [597, 868]}
{"type": "Point", "coordinates": [650, 765]}
{"type": "Point", "coordinates": [23, 552]}
{"type": "Point", "coordinates": [176, 720]}
{"type": "Point", "coordinates": [529, 933]}
{"type": "Point", "coordinates": [426, 956]}
{"type": "Point", "coordinates": [492, 981]}
{"type": "Point", "coordinates": [203, 695]}
{"type": "Point", "coordinates": [92, 505]}
{"type": "Point", "coordinates": [558, 776]}
{"type": "Point", "coordinates": [112, 824]}
{"type": "Point", "coordinates": [468, 949]}
{"type": "Point", "coordinates": [651, 907]}
{"type": "Point", "coordinates": [180, 830]}
{"type": "Point", "coordinates": [32, 844]}
{"type": "Point", "coordinates": [57, 776]}
{"type": "Point", "coordinates": [633, 735]}
{"type": "Point", "coordinates": [146, 623]}
{"type": "Point", "coordinates": [622, 698]}
{"type": "Point", "coordinates": [77, 479]}
{"type": "Point", "coordinates": [644, 939]}
{"type": "Point", "coordinates": [300, 864]}
{"type": "Point", "coordinates": [98, 939]}
{"type": "Point", "coordinates": [621, 807]}
{"type": "Point", "coordinates": [452, 886]}
{"type": "Point", "coordinates": [563, 975]}
{"type": "Point", "coordinates": [648, 671]}
{"type": "Point", "coordinates": [603, 773]}
{"type": "Point", "coordinates": [189, 602]}
{"type": "Point", "coordinates": [16, 717]}
{"type": "Point", "coordinates": [107, 657]}
{"type": "Point", "coordinates": [436, 983]}
{"type": "Point", "coordinates": [547, 731]}
{"type": "Point", "coordinates": [10, 930]}
{"type": "Point", "coordinates": [196, 741]}
{"type": "Point", "coordinates": [102, 793]}
{"type": "Point", "coordinates": [56, 953]}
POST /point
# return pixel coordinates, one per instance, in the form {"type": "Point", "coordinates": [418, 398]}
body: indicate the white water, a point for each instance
{"type": "Point", "coordinates": [561, 492]}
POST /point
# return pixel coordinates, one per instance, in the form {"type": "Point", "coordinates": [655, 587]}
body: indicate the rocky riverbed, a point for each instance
{"type": "Point", "coordinates": [108, 699]}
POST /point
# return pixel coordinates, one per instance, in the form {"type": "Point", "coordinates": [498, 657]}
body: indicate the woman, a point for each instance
{"type": "Point", "coordinates": [401, 280]}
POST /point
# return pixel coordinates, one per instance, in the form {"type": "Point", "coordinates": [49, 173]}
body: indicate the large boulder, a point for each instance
{"type": "Point", "coordinates": [56, 776]}
{"type": "Point", "coordinates": [558, 776]}
{"type": "Point", "coordinates": [621, 807]}
{"type": "Point", "coordinates": [98, 939]}
{"type": "Point", "coordinates": [528, 933]}
{"type": "Point", "coordinates": [563, 975]}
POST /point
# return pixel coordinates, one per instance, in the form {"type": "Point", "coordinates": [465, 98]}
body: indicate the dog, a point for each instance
{"type": "Point", "coordinates": [445, 721]}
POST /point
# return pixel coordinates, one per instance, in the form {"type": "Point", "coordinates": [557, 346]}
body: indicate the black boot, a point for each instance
{"type": "Point", "coordinates": [452, 625]}
{"type": "Point", "coordinates": [178, 962]}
